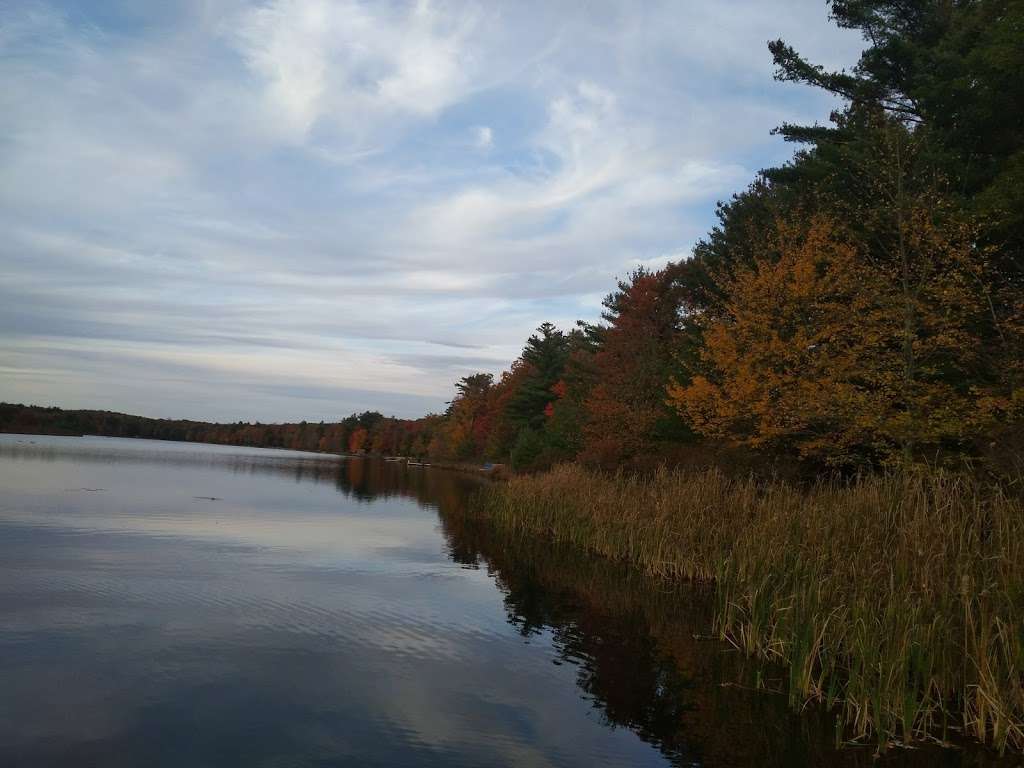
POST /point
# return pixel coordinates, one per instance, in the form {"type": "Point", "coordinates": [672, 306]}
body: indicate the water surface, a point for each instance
{"type": "Point", "coordinates": [170, 604]}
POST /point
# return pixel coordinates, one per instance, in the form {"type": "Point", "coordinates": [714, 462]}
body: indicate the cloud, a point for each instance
{"type": "Point", "coordinates": [353, 64]}
{"type": "Point", "coordinates": [205, 205]}
{"type": "Point", "coordinates": [483, 137]}
{"type": "Point", "coordinates": [605, 178]}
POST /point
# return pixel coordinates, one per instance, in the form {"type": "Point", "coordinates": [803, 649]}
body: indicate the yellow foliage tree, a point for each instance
{"type": "Point", "coordinates": [819, 347]}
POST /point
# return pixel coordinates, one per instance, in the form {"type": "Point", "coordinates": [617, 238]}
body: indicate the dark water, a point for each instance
{"type": "Point", "coordinates": [169, 604]}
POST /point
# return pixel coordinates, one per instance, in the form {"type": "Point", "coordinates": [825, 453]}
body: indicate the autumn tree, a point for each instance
{"type": "Point", "coordinates": [357, 440]}
{"type": "Point", "coordinates": [566, 413]}
{"type": "Point", "coordinates": [465, 413]}
{"type": "Point", "coordinates": [544, 358]}
{"type": "Point", "coordinates": [940, 82]}
{"type": "Point", "coordinates": [808, 352]}
{"type": "Point", "coordinates": [626, 412]}
{"type": "Point", "coordinates": [503, 425]}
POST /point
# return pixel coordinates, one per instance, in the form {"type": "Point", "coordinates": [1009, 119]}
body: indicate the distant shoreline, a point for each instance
{"type": "Point", "coordinates": [494, 471]}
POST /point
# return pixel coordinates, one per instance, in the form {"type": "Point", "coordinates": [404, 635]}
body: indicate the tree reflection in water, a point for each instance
{"type": "Point", "coordinates": [636, 643]}
{"type": "Point", "coordinates": [632, 641]}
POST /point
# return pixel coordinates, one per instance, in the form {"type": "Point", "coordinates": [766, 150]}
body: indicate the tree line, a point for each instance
{"type": "Point", "coordinates": [861, 305]}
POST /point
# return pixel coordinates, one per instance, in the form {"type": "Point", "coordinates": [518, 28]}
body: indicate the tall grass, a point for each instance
{"type": "Point", "coordinates": [897, 600]}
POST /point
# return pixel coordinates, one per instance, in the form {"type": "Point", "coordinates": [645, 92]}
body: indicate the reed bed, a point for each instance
{"type": "Point", "coordinates": [896, 600]}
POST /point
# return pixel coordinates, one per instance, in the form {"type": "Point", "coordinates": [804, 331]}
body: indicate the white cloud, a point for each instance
{"type": "Point", "coordinates": [607, 176]}
{"type": "Point", "coordinates": [483, 137]}
{"type": "Point", "coordinates": [354, 64]}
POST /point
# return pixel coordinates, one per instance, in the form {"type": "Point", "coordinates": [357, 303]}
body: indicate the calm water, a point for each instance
{"type": "Point", "coordinates": [170, 604]}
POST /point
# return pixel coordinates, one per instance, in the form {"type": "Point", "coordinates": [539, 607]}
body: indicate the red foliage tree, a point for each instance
{"type": "Point", "coordinates": [633, 367]}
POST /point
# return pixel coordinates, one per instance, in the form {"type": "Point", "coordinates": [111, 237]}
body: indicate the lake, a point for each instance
{"type": "Point", "coordinates": [173, 604]}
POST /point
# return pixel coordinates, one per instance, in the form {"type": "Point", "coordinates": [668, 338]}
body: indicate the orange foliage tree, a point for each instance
{"type": "Point", "coordinates": [819, 348]}
{"type": "Point", "coordinates": [357, 440]}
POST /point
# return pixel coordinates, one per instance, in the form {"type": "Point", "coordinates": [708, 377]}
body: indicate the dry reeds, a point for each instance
{"type": "Point", "coordinates": [898, 600]}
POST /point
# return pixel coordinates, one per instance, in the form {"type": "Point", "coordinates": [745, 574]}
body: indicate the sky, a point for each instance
{"type": "Point", "coordinates": [297, 209]}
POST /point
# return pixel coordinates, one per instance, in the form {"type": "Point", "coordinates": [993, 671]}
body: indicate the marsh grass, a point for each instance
{"type": "Point", "coordinates": [896, 600]}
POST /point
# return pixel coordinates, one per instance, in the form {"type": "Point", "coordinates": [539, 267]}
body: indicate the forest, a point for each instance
{"type": "Point", "coordinates": [858, 308]}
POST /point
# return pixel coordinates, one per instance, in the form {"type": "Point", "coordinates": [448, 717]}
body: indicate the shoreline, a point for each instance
{"type": "Point", "coordinates": [894, 600]}
{"type": "Point", "coordinates": [496, 471]}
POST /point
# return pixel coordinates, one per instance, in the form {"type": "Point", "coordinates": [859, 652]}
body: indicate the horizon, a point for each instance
{"type": "Point", "coordinates": [337, 420]}
{"type": "Point", "coordinates": [296, 210]}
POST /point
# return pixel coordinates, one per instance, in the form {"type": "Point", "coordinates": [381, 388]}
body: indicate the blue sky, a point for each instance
{"type": "Point", "coordinates": [295, 209]}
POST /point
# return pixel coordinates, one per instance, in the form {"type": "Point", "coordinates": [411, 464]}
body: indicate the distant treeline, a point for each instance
{"type": "Point", "coordinates": [859, 307]}
{"type": "Point", "coordinates": [391, 436]}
